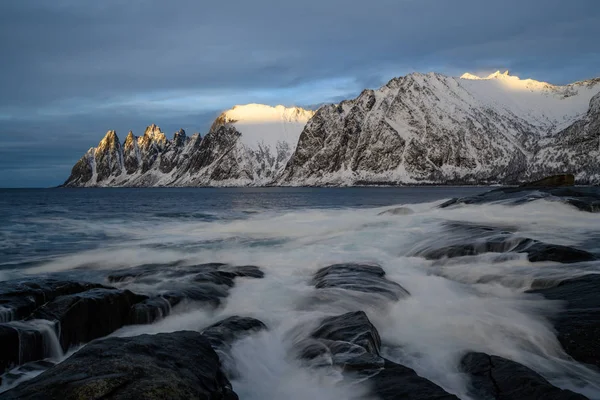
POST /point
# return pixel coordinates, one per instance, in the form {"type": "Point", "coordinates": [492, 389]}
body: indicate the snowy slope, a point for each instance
{"type": "Point", "coordinates": [431, 128]}
{"type": "Point", "coordinates": [421, 128]}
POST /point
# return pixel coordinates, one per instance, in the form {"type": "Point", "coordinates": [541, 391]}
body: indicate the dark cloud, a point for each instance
{"type": "Point", "coordinates": [71, 70]}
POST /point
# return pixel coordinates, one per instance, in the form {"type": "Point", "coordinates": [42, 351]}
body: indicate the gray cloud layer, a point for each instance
{"type": "Point", "coordinates": [73, 69]}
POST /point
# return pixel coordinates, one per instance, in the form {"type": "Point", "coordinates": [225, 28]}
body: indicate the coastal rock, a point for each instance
{"type": "Point", "coordinates": [179, 365]}
{"type": "Point", "coordinates": [578, 325]}
{"type": "Point", "coordinates": [397, 382]}
{"type": "Point", "coordinates": [207, 283]}
{"type": "Point", "coordinates": [85, 316]}
{"type": "Point", "coordinates": [497, 378]}
{"type": "Point", "coordinates": [583, 198]}
{"type": "Point", "coordinates": [151, 310]}
{"type": "Point", "coordinates": [552, 181]}
{"type": "Point", "coordinates": [20, 343]}
{"type": "Point", "coordinates": [351, 342]}
{"type": "Point", "coordinates": [491, 242]}
{"type": "Point", "coordinates": [397, 211]}
{"type": "Point", "coordinates": [223, 333]}
{"type": "Point", "coordinates": [539, 251]}
{"type": "Point", "coordinates": [353, 327]}
{"type": "Point", "coordinates": [19, 298]}
{"type": "Point", "coordinates": [358, 277]}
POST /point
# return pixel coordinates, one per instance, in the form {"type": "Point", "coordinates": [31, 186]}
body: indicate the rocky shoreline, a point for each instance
{"type": "Point", "coordinates": [42, 319]}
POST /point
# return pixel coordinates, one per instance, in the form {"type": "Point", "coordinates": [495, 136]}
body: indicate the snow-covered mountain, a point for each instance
{"type": "Point", "coordinates": [431, 128]}
{"type": "Point", "coordinates": [246, 145]}
{"type": "Point", "coordinates": [421, 128]}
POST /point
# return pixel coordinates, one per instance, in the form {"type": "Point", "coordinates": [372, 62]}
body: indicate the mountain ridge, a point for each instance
{"type": "Point", "coordinates": [417, 129]}
{"type": "Point", "coordinates": [232, 153]}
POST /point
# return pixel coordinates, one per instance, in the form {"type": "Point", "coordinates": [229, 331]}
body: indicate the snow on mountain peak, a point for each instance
{"type": "Point", "coordinates": [264, 126]}
{"type": "Point", "coordinates": [468, 75]}
{"type": "Point", "coordinates": [495, 75]}
{"type": "Point", "coordinates": [510, 81]}
{"type": "Point", "coordinates": [499, 74]}
{"type": "Point", "coordinates": [260, 113]}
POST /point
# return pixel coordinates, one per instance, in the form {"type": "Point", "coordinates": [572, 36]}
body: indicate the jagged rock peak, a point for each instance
{"type": "Point", "coordinates": [110, 141]}
{"type": "Point", "coordinates": [179, 137]}
{"type": "Point", "coordinates": [153, 130]}
{"type": "Point", "coordinates": [152, 134]}
{"type": "Point", "coordinates": [130, 138]}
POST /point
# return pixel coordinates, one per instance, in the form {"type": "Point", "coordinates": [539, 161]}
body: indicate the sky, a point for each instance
{"type": "Point", "coordinates": [70, 70]}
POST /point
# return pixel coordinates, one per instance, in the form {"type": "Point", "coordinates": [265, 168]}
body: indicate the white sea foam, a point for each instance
{"type": "Point", "coordinates": [448, 313]}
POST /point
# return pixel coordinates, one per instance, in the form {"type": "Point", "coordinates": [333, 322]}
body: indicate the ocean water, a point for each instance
{"type": "Point", "coordinates": [468, 304]}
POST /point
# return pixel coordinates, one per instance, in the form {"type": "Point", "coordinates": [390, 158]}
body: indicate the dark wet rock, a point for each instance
{"type": "Point", "coordinates": [172, 270]}
{"type": "Point", "coordinates": [19, 344]}
{"type": "Point", "coordinates": [397, 211]}
{"type": "Point", "coordinates": [397, 382]}
{"type": "Point", "coordinates": [10, 378]}
{"type": "Point", "coordinates": [152, 309]}
{"type": "Point", "coordinates": [497, 378]}
{"type": "Point", "coordinates": [207, 293]}
{"type": "Point", "coordinates": [358, 277]}
{"type": "Point", "coordinates": [85, 316]}
{"type": "Point", "coordinates": [19, 298]}
{"type": "Point", "coordinates": [500, 243]}
{"type": "Point", "coordinates": [583, 198]}
{"type": "Point", "coordinates": [538, 251]}
{"type": "Point", "coordinates": [348, 341]}
{"type": "Point", "coordinates": [179, 365]}
{"type": "Point", "coordinates": [578, 325]}
{"type": "Point", "coordinates": [214, 277]}
{"type": "Point", "coordinates": [225, 332]}
{"type": "Point", "coordinates": [243, 271]}
{"type": "Point", "coordinates": [353, 327]}
{"type": "Point", "coordinates": [207, 283]}
{"type": "Point", "coordinates": [552, 181]}
{"type": "Point", "coordinates": [468, 239]}
{"type": "Point", "coordinates": [351, 342]}
{"type": "Point", "coordinates": [507, 243]}
{"type": "Point", "coordinates": [217, 273]}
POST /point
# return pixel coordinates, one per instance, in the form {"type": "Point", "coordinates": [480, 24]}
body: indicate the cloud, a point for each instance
{"type": "Point", "coordinates": [77, 69]}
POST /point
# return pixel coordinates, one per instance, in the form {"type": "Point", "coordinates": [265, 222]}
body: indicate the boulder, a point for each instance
{"type": "Point", "coordinates": [180, 365]}
{"type": "Point", "coordinates": [397, 211]}
{"type": "Point", "coordinates": [19, 298]}
{"type": "Point", "coordinates": [354, 327]}
{"type": "Point", "coordinates": [552, 181]}
{"type": "Point", "coordinates": [583, 198]}
{"type": "Point", "coordinates": [539, 251]}
{"type": "Point", "coordinates": [497, 378]}
{"type": "Point", "coordinates": [351, 343]}
{"type": "Point", "coordinates": [397, 382]}
{"type": "Point", "coordinates": [206, 283]}
{"type": "Point", "coordinates": [225, 332]}
{"type": "Point", "coordinates": [19, 343]}
{"type": "Point", "coordinates": [151, 310]}
{"type": "Point", "coordinates": [85, 316]}
{"type": "Point", "coordinates": [507, 243]}
{"type": "Point", "coordinates": [360, 278]}
{"type": "Point", "coordinates": [578, 325]}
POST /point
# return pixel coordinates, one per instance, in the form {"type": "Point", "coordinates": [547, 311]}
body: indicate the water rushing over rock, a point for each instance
{"type": "Point", "coordinates": [302, 293]}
